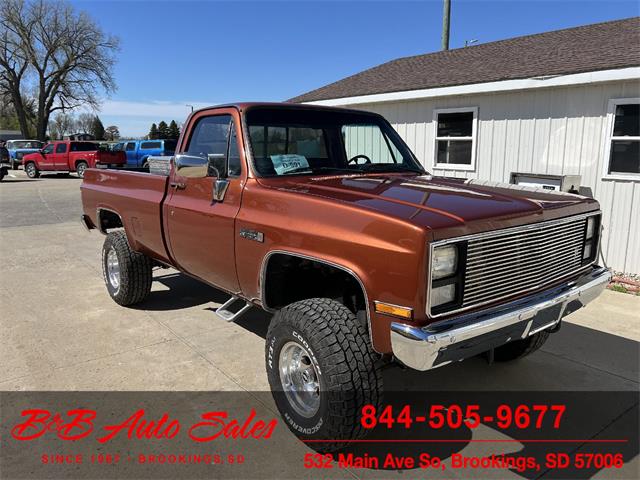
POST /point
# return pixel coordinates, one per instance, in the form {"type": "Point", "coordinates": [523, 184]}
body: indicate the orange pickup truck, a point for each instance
{"type": "Point", "coordinates": [70, 156]}
{"type": "Point", "coordinates": [324, 217]}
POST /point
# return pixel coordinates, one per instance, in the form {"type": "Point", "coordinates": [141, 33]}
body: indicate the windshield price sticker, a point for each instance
{"type": "Point", "coordinates": [288, 163]}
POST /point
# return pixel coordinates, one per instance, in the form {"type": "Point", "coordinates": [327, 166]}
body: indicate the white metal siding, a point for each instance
{"type": "Point", "coordinates": [552, 130]}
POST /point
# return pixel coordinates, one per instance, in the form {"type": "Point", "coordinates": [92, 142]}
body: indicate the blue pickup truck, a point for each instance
{"type": "Point", "coordinates": [19, 148]}
{"type": "Point", "coordinates": [138, 151]}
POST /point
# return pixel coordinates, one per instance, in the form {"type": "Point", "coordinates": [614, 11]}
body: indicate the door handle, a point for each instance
{"type": "Point", "coordinates": [177, 185]}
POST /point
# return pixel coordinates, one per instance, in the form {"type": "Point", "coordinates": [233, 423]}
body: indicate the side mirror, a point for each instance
{"type": "Point", "coordinates": [190, 166]}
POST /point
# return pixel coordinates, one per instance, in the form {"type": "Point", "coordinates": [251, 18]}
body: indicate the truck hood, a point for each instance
{"type": "Point", "coordinates": [447, 206]}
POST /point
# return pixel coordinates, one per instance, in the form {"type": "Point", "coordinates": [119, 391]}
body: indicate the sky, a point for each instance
{"type": "Point", "coordinates": [178, 53]}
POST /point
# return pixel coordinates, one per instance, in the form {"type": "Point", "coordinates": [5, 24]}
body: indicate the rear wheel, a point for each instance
{"type": "Point", "coordinates": [127, 274]}
{"type": "Point", "coordinates": [14, 165]}
{"type": "Point", "coordinates": [520, 348]}
{"type": "Point", "coordinates": [31, 170]}
{"type": "Point", "coordinates": [322, 371]}
{"type": "Point", "coordinates": [80, 168]}
{"type": "Point", "coordinates": [3, 172]}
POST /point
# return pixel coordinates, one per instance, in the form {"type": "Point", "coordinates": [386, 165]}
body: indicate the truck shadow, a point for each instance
{"type": "Point", "coordinates": [180, 292]}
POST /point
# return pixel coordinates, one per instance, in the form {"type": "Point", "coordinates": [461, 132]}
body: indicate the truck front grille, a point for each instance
{"type": "Point", "coordinates": [516, 261]}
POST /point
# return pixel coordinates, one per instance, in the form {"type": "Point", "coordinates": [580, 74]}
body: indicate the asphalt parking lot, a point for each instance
{"type": "Point", "coordinates": [61, 331]}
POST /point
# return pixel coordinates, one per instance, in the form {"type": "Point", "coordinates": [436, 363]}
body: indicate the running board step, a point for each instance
{"type": "Point", "coordinates": [227, 315]}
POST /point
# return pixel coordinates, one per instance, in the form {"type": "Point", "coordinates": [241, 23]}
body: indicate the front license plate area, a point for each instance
{"type": "Point", "coordinates": [546, 316]}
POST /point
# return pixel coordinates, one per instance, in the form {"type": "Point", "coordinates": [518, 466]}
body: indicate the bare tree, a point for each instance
{"type": "Point", "coordinates": [60, 54]}
{"type": "Point", "coordinates": [111, 133]}
{"type": "Point", "coordinates": [62, 124]}
{"type": "Point", "coordinates": [84, 122]}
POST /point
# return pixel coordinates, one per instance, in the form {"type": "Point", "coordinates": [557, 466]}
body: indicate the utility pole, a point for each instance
{"type": "Point", "coordinates": [446, 21]}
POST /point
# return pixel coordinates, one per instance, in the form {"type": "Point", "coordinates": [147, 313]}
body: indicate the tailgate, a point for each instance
{"type": "Point", "coordinates": [113, 158]}
{"type": "Point", "coordinates": [136, 198]}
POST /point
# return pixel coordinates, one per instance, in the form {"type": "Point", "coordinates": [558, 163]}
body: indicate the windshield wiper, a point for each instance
{"type": "Point", "coordinates": [322, 169]}
{"type": "Point", "coordinates": [393, 167]}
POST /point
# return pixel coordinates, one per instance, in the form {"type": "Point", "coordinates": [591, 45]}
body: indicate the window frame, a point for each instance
{"type": "Point", "coordinates": [58, 145]}
{"type": "Point", "coordinates": [474, 137]}
{"type": "Point", "coordinates": [609, 138]}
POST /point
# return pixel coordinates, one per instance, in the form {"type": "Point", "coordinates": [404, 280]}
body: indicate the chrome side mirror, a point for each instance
{"type": "Point", "coordinates": [190, 166]}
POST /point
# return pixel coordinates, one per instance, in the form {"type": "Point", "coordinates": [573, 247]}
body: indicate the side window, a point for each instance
{"type": "Point", "coordinates": [210, 136]}
{"type": "Point", "coordinates": [131, 146]}
{"type": "Point", "coordinates": [150, 145]}
{"type": "Point", "coordinates": [48, 149]}
{"type": "Point", "coordinates": [455, 138]}
{"type": "Point", "coordinates": [209, 139]}
{"type": "Point", "coordinates": [61, 148]}
{"type": "Point", "coordinates": [622, 158]}
{"type": "Point", "coordinates": [370, 142]}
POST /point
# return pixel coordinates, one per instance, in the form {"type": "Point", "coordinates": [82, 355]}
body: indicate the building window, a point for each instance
{"type": "Point", "coordinates": [622, 148]}
{"type": "Point", "coordinates": [455, 138]}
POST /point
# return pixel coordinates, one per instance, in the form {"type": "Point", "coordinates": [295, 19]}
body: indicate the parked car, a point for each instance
{"type": "Point", "coordinates": [324, 217]}
{"type": "Point", "coordinates": [20, 148]}
{"type": "Point", "coordinates": [139, 151]}
{"type": "Point", "coordinates": [70, 156]}
{"type": "Point", "coordinates": [5, 162]}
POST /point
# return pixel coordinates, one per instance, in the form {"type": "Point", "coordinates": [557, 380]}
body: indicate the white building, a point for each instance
{"type": "Point", "coordinates": [563, 102]}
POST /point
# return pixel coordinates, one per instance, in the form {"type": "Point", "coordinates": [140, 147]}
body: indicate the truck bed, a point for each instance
{"type": "Point", "coordinates": [136, 197]}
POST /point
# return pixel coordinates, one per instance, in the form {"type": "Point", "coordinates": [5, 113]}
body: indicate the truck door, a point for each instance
{"type": "Point", "coordinates": [132, 153]}
{"type": "Point", "coordinates": [47, 161]}
{"type": "Point", "coordinates": [200, 230]}
{"type": "Point", "coordinates": [61, 157]}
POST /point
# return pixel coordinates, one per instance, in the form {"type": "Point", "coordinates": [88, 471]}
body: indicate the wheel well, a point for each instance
{"type": "Point", "coordinates": [108, 220]}
{"type": "Point", "coordinates": [289, 278]}
{"type": "Point", "coordinates": [81, 160]}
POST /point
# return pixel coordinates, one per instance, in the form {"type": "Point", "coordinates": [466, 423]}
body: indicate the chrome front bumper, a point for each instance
{"type": "Point", "coordinates": [461, 337]}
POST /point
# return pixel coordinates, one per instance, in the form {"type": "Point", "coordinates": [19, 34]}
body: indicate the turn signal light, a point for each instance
{"type": "Point", "coordinates": [394, 310]}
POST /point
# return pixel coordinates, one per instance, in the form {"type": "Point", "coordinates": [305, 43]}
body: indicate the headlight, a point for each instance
{"type": "Point", "coordinates": [444, 262]}
{"type": "Point", "coordinates": [443, 294]}
{"type": "Point", "coordinates": [591, 227]}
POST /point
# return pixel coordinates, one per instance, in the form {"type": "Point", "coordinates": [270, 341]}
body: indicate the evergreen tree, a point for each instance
{"type": "Point", "coordinates": [153, 132]}
{"type": "Point", "coordinates": [97, 128]}
{"type": "Point", "coordinates": [174, 131]}
{"type": "Point", "coordinates": [163, 130]}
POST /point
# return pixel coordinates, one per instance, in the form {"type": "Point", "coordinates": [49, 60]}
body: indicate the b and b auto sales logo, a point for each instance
{"type": "Point", "coordinates": [241, 435]}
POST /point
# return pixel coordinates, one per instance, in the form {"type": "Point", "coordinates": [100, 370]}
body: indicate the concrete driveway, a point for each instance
{"type": "Point", "coordinates": [61, 331]}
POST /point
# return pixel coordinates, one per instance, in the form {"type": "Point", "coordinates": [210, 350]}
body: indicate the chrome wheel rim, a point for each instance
{"type": "Point", "coordinates": [113, 269]}
{"type": "Point", "coordinates": [299, 378]}
{"type": "Point", "coordinates": [80, 170]}
{"type": "Point", "coordinates": [30, 169]}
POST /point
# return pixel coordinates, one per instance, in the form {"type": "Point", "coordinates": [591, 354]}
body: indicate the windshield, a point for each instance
{"type": "Point", "coordinates": [300, 141]}
{"type": "Point", "coordinates": [24, 144]}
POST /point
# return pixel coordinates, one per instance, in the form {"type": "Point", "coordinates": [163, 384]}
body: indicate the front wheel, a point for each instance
{"type": "Point", "coordinates": [80, 168]}
{"type": "Point", "coordinates": [127, 274]}
{"type": "Point", "coordinates": [322, 371]}
{"type": "Point", "coordinates": [31, 170]}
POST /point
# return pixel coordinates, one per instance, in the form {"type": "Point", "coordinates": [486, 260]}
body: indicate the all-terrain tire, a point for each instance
{"type": "Point", "coordinates": [31, 170]}
{"type": "Point", "coordinates": [134, 270]}
{"type": "Point", "coordinates": [521, 348]}
{"type": "Point", "coordinates": [81, 166]}
{"type": "Point", "coordinates": [348, 370]}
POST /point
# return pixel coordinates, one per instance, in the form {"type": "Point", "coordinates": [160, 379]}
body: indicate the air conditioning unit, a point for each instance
{"type": "Point", "coordinates": [561, 183]}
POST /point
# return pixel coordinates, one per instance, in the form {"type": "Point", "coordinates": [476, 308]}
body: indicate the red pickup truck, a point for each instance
{"type": "Point", "coordinates": [324, 217]}
{"type": "Point", "coordinates": [70, 156]}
